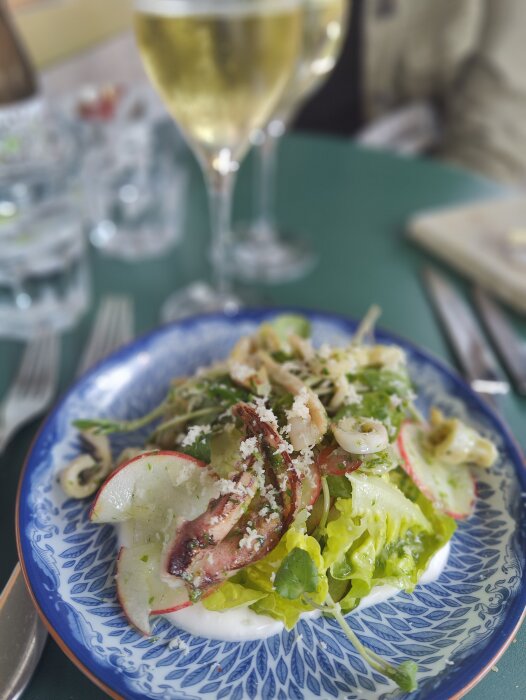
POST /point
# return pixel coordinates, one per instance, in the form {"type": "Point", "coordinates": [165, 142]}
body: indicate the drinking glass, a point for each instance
{"type": "Point", "coordinates": [44, 280]}
{"type": "Point", "coordinates": [221, 67]}
{"type": "Point", "coordinates": [262, 252]}
{"type": "Point", "coordinates": [134, 182]}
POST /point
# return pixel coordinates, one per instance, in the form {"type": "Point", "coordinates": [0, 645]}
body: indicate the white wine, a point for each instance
{"type": "Point", "coordinates": [323, 35]}
{"type": "Point", "coordinates": [220, 67]}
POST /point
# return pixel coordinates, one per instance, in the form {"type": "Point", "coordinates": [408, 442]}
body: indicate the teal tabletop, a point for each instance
{"type": "Point", "coordinates": [353, 206]}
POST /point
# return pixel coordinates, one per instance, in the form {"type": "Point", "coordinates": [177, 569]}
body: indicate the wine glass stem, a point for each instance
{"type": "Point", "coordinates": [220, 189]}
{"type": "Point", "coordinates": [265, 188]}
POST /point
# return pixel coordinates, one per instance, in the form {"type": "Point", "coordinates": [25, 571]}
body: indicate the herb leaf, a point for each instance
{"type": "Point", "coordinates": [339, 486]}
{"type": "Point", "coordinates": [296, 575]}
{"type": "Point", "coordinates": [405, 676]}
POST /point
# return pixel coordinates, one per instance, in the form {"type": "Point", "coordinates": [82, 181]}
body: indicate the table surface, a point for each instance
{"type": "Point", "coordinates": [352, 205]}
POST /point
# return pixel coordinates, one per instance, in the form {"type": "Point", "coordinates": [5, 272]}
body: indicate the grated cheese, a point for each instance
{"type": "Point", "coordinates": [194, 432]}
{"type": "Point", "coordinates": [248, 447]}
{"type": "Point", "coordinates": [240, 372]}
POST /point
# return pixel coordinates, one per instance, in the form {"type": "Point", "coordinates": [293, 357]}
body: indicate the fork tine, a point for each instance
{"type": "Point", "coordinates": [45, 372]}
{"type": "Point", "coordinates": [112, 327]}
{"type": "Point", "coordinates": [27, 367]}
{"type": "Point", "coordinates": [99, 330]}
{"type": "Point", "coordinates": [116, 336]}
{"type": "Point", "coordinates": [33, 387]}
{"type": "Point", "coordinates": [113, 337]}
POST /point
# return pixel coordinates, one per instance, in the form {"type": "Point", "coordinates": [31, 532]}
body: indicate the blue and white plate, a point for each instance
{"type": "Point", "coordinates": [454, 628]}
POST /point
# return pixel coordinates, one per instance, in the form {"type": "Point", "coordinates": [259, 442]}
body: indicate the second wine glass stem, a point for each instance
{"type": "Point", "coordinates": [264, 227]}
{"type": "Point", "coordinates": [220, 189]}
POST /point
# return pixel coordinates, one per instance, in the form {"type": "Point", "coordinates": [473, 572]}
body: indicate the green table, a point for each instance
{"type": "Point", "coordinates": [353, 206]}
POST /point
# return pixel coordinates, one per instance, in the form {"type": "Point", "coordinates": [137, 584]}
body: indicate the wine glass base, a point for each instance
{"type": "Point", "coordinates": [198, 298]}
{"type": "Point", "coordinates": [270, 257]}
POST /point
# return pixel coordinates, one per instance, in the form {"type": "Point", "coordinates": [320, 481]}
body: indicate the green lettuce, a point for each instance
{"type": "Point", "coordinates": [381, 537]}
{"type": "Point", "coordinates": [231, 595]}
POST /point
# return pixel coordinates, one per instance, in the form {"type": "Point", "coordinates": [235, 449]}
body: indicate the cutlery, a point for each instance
{"type": "Point", "coordinates": [22, 634]}
{"type": "Point", "coordinates": [511, 349]}
{"type": "Point", "coordinates": [33, 387]}
{"type": "Point", "coordinates": [477, 361]}
{"type": "Point", "coordinates": [113, 327]}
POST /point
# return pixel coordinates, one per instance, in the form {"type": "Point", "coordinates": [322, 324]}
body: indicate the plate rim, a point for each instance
{"type": "Point", "coordinates": [254, 314]}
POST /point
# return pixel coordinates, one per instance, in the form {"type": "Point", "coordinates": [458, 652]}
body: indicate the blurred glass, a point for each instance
{"type": "Point", "coordinates": [135, 187]}
{"type": "Point", "coordinates": [43, 269]}
{"type": "Point", "coordinates": [263, 252]}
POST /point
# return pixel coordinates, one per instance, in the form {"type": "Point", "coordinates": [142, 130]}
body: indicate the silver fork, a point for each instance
{"type": "Point", "coordinates": [113, 327]}
{"type": "Point", "coordinates": [22, 634]}
{"type": "Point", "coordinates": [33, 387]}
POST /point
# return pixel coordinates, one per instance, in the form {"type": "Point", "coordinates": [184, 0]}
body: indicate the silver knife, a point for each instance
{"type": "Point", "coordinates": [478, 363]}
{"type": "Point", "coordinates": [510, 348]}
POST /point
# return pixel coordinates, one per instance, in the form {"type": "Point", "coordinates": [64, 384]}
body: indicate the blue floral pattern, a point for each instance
{"type": "Point", "coordinates": [452, 627]}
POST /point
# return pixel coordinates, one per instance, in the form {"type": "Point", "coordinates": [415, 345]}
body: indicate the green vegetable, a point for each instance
{"type": "Point", "coordinates": [296, 575]}
{"type": "Point", "coordinates": [231, 595]}
{"type": "Point", "coordinates": [381, 537]}
{"type": "Point", "coordinates": [339, 486]}
{"type": "Point", "coordinates": [286, 324]}
{"type": "Point", "coordinates": [104, 426]}
{"type": "Point", "coordinates": [224, 391]}
{"type": "Point", "coordinates": [385, 380]}
{"type": "Point", "coordinates": [404, 675]}
{"type": "Point", "coordinates": [200, 448]}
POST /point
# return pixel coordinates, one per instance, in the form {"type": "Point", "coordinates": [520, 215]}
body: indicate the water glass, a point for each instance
{"type": "Point", "coordinates": [44, 283]}
{"type": "Point", "coordinates": [135, 187]}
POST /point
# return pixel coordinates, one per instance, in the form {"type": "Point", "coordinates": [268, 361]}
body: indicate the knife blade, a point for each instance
{"type": "Point", "coordinates": [511, 349]}
{"type": "Point", "coordinates": [473, 353]}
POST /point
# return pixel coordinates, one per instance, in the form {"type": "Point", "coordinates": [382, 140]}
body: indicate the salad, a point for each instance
{"type": "Point", "coordinates": [287, 479]}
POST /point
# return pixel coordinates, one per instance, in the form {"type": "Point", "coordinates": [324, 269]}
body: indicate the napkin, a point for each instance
{"type": "Point", "coordinates": [485, 241]}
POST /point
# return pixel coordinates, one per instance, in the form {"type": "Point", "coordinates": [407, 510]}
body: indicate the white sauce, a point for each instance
{"type": "Point", "coordinates": [235, 625]}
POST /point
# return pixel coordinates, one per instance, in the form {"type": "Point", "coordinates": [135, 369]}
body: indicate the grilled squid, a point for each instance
{"type": "Point", "coordinates": [83, 476]}
{"type": "Point", "coordinates": [455, 443]}
{"type": "Point", "coordinates": [361, 436]}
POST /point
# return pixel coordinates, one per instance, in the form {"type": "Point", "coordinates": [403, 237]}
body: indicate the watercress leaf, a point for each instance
{"type": "Point", "coordinates": [296, 575]}
{"type": "Point", "coordinates": [199, 449]}
{"type": "Point", "coordinates": [339, 486]}
{"type": "Point", "coordinates": [405, 676]}
{"type": "Point", "coordinates": [226, 392]}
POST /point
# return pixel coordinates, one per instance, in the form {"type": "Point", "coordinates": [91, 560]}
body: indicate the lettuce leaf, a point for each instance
{"type": "Point", "coordinates": [382, 537]}
{"type": "Point", "coordinates": [231, 595]}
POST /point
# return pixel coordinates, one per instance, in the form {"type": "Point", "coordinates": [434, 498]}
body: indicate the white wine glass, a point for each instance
{"type": "Point", "coordinates": [263, 253]}
{"type": "Point", "coordinates": [221, 67]}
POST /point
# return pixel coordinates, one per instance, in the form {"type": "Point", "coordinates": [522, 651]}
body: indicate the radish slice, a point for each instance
{"type": "Point", "coordinates": [451, 488]}
{"type": "Point", "coordinates": [148, 485]}
{"type": "Point", "coordinates": [140, 590]}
